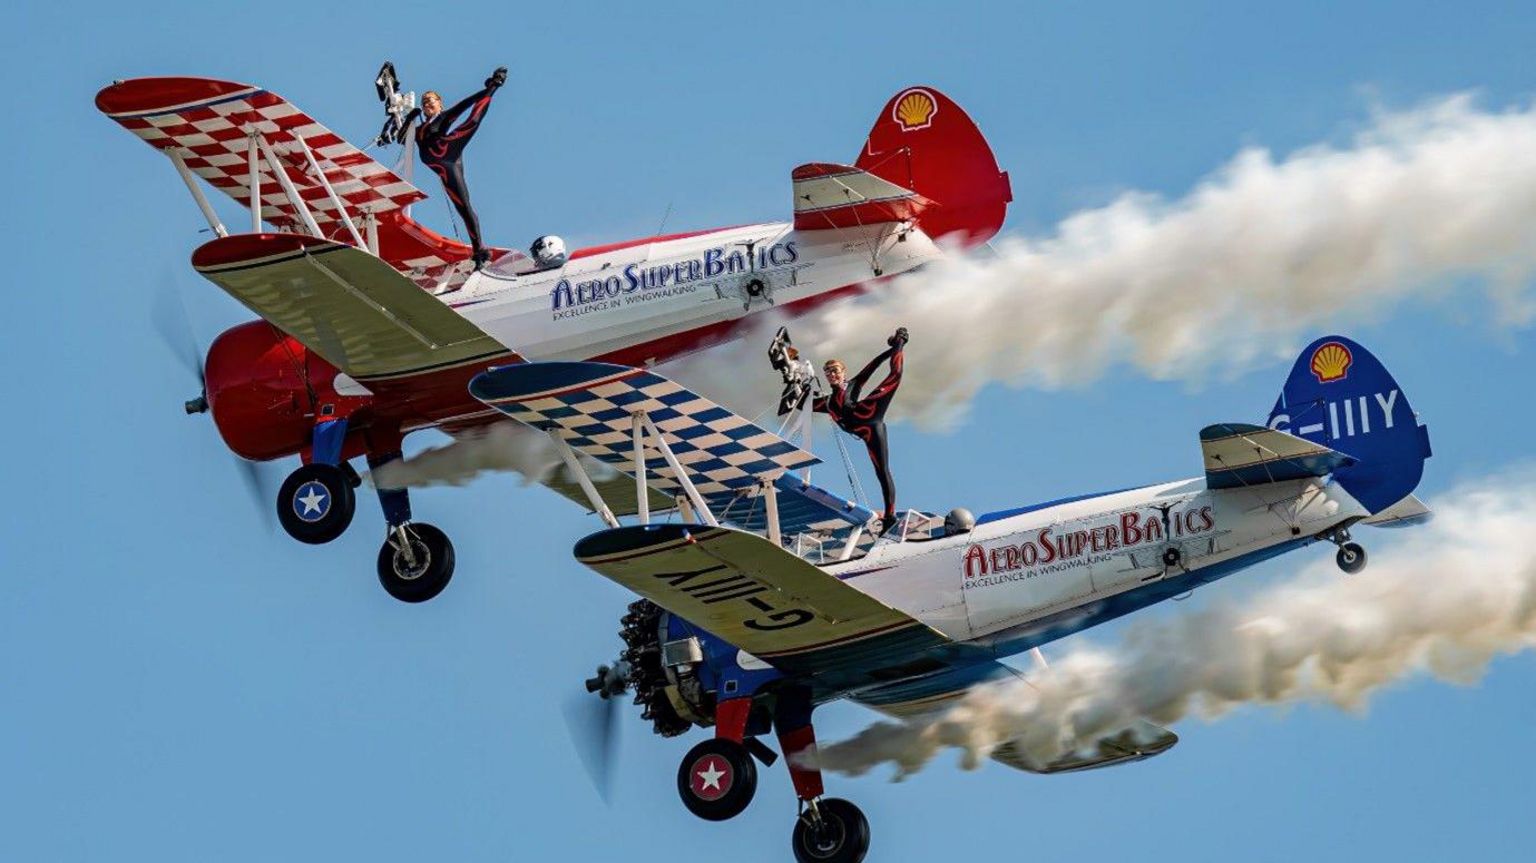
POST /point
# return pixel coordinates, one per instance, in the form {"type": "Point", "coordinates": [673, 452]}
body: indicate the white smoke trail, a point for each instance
{"type": "Point", "coordinates": [501, 446]}
{"type": "Point", "coordinates": [1243, 268]}
{"type": "Point", "coordinates": [1455, 594]}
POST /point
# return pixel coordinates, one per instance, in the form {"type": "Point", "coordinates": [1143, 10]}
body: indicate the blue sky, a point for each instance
{"type": "Point", "coordinates": [180, 683]}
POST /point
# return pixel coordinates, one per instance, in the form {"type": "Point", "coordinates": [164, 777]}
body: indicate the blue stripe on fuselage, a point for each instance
{"type": "Point", "coordinates": [1062, 624]}
{"type": "Point", "coordinates": [1010, 513]}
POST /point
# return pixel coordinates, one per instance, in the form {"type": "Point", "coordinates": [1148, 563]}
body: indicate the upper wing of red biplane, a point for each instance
{"type": "Point", "coordinates": [242, 138]}
{"type": "Point", "coordinates": [218, 130]}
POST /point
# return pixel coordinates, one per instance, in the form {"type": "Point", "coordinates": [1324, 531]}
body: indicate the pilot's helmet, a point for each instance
{"type": "Point", "coordinates": [958, 521]}
{"type": "Point", "coordinates": [548, 251]}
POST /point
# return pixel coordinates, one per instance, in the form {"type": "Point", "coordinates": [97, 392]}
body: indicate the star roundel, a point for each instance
{"type": "Point", "coordinates": [311, 501]}
{"type": "Point", "coordinates": [711, 777]}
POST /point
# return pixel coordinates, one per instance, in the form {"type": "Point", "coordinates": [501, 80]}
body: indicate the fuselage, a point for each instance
{"type": "Point", "coordinates": [634, 303]}
{"type": "Point", "coordinates": [1026, 577]}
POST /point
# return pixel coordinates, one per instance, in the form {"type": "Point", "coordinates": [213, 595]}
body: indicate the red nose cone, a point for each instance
{"type": "Point", "coordinates": [256, 392]}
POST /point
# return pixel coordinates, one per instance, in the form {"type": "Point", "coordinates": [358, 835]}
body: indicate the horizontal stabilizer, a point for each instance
{"type": "Point", "coordinates": [1405, 513]}
{"type": "Point", "coordinates": [346, 305]}
{"type": "Point", "coordinates": [838, 196]}
{"type": "Point", "coordinates": [1240, 454]}
{"type": "Point", "coordinates": [1134, 744]}
{"type": "Point", "coordinates": [592, 407]}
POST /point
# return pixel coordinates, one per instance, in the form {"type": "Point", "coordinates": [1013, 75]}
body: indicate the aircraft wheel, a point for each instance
{"type": "Point", "coordinates": [1351, 557]}
{"type": "Point", "coordinates": [842, 836]}
{"type": "Point", "coordinates": [315, 503]}
{"type": "Point", "coordinates": [422, 574]}
{"type": "Point", "coordinates": [717, 779]}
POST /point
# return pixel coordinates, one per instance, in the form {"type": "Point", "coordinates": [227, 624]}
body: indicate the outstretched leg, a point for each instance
{"type": "Point", "coordinates": [879, 455]}
{"type": "Point", "coordinates": [452, 175]}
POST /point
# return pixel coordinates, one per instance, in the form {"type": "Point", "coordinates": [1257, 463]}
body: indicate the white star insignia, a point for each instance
{"type": "Point", "coordinates": [711, 777]}
{"type": "Point", "coordinates": [312, 501]}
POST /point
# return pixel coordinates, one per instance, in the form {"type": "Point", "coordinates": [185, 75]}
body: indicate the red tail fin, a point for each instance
{"type": "Point", "coordinates": [923, 141]}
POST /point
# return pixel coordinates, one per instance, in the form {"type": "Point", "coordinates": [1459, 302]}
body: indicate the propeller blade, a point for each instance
{"type": "Point", "coordinates": [593, 724]}
{"type": "Point", "coordinates": [168, 314]}
{"type": "Point", "coordinates": [260, 486]}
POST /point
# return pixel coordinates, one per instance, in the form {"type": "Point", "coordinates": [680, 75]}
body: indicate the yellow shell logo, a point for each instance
{"type": "Point", "coordinates": [915, 109]}
{"type": "Point", "coordinates": [1331, 362]}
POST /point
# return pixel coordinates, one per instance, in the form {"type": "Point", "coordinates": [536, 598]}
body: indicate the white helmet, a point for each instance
{"type": "Point", "coordinates": [548, 251]}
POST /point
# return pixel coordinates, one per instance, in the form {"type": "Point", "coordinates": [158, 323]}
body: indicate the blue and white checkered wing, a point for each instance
{"type": "Point", "coordinates": [592, 405]}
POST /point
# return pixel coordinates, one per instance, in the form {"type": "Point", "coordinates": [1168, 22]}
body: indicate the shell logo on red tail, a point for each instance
{"type": "Point", "coordinates": [1331, 362]}
{"type": "Point", "coordinates": [914, 109]}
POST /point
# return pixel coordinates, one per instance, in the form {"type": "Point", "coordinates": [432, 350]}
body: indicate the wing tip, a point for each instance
{"type": "Point", "coordinates": [246, 248]}
{"type": "Point", "coordinates": [149, 95]}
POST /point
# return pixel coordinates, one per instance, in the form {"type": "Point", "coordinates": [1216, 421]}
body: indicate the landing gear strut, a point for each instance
{"type": "Point", "coordinates": [717, 779]}
{"type": "Point", "coordinates": [415, 562]}
{"type": "Point", "coordinates": [831, 830]}
{"type": "Point", "coordinates": [316, 502]}
{"type": "Point", "coordinates": [1350, 556]}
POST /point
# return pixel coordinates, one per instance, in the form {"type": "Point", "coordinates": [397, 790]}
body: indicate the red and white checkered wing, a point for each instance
{"type": "Point", "coordinates": [209, 124]}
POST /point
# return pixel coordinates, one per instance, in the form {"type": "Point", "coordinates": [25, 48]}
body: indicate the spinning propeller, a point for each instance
{"type": "Point", "coordinates": [171, 321]}
{"type": "Point", "coordinates": [594, 725]}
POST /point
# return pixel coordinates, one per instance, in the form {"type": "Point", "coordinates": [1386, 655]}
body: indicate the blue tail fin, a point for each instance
{"type": "Point", "coordinates": [1342, 397]}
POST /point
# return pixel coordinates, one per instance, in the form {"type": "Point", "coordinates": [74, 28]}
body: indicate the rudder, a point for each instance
{"type": "Point", "coordinates": [1339, 395]}
{"type": "Point", "coordinates": [925, 142]}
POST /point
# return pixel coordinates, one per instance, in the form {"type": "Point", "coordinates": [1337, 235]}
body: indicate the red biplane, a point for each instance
{"type": "Point", "coordinates": [372, 325]}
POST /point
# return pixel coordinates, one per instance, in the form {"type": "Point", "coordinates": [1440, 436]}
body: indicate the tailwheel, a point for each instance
{"type": "Point", "coordinates": [717, 779]}
{"type": "Point", "coordinates": [415, 562]}
{"type": "Point", "coordinates": [1350, 557]}
{"type": "Point", "coordinates": [316, 503]}
{"type": "Point", "coordinates": [831, 831]}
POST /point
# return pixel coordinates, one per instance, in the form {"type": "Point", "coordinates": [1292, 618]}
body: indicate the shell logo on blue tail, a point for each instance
{"type": "Point", "coordinates": [311, 501]}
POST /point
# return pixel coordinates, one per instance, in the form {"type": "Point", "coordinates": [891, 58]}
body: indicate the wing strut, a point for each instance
{"type": "Point", "coordinates": [569, 457]}
{"type": "Point", "coordinates": [197, 194]}
{"type": "Point", "coordinates": [677, 469]}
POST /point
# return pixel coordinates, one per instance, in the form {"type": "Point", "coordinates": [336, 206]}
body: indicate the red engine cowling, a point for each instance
{"type": "Point", "coordinates": [265, 389]}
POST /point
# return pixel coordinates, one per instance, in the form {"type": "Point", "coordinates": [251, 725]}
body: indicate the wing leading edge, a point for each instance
{"type": "Point", "coordinates": [761, 598]}
{"type": "Point", "coordinates": [344, 304]}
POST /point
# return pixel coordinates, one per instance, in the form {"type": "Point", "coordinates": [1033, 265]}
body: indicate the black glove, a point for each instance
{"type": "Point", "coordinates": [899, 340]}
{"type": "Point", "coordinates": [497, 78]}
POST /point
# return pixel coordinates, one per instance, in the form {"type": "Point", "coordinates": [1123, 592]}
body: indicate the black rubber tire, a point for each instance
{"type": "Point", "coordinates": [843, 838]}
{"type": "Point", "coordinates": [734, 774]}
{"type": "Point", "coordinates": [434, 564]}
{"type": "Point", "coordinates": [1350, 558]}
{"type": "Point", "coordinates": [315, 503]}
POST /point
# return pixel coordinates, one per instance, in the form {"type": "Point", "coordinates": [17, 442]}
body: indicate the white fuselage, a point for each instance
{"type": "Point", "coordinates": [1010, 576]}
{"type": "Point", "coordinates": [674, 291]}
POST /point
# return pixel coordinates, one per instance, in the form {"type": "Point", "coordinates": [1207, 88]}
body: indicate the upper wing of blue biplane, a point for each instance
{"type": "Point", "coordinates": [592, 407]}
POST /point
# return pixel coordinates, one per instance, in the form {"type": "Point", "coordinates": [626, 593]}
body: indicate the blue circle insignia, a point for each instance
{"type": "Point", "coordinates": [312, 501]}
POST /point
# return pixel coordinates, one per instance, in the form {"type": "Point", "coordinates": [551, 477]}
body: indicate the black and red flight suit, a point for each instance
{"type": "Point", "coordinates": [441, 146]}
{"type": "Point", "coordinates": [864, 417]}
